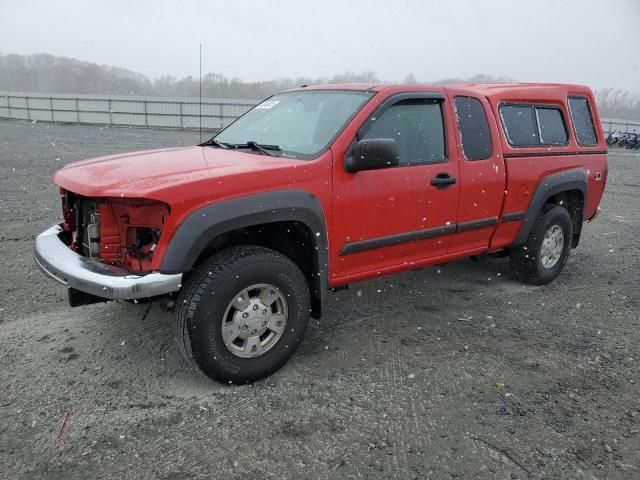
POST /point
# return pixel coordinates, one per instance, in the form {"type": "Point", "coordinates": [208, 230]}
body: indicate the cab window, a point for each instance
{"type": "Point", "coordinates": [474, 128]}
{"type": "Point", "coordinates": [417, 127]}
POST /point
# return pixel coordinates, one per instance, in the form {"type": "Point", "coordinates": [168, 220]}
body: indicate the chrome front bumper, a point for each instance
{"type": "Point", "coordinates": [88, 275]}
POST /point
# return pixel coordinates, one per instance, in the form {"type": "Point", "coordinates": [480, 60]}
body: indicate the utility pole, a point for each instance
{"type": "Point", "coordinates": [200, 126]}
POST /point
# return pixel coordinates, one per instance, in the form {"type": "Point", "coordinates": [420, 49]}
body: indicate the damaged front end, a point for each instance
{"type": "Point", "coordinates": [104, 249]}
{"type": "Point", "coordinates": [118, 231]}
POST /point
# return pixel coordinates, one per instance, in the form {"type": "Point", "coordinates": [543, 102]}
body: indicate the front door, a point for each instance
{"type": "Point", "coordinates": [401, 214]}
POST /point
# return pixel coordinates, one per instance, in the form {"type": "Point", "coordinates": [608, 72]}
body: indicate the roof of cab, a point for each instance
{"type": "Point", "coordinates": [495, 91]}
{"type": "Point", "coordinates": [339, 86]}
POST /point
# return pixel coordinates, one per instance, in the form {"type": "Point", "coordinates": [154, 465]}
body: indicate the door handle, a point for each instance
{"type": "Point", "coordinates": [442, 181]}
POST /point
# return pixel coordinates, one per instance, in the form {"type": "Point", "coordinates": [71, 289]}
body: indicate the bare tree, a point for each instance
{"type": "Point", "coordinates": [615, 103]}
{"type": "Point", "coordinates": [411, 78]}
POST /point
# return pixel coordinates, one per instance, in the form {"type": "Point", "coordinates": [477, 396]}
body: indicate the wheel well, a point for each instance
{"type": "Point", "coordinates": [290, 238]}
{"type": "Point", "coordinates": [573, 201]}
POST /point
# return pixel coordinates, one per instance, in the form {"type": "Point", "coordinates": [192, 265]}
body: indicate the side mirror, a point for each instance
{"type": "Point", "coordinates": [372, 154]}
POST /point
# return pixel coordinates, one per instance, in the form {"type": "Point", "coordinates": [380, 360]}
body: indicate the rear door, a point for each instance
{"type": "Point", "coordinates": [395, 216]}
{"type": "Point", "coordinates": [482, 171]}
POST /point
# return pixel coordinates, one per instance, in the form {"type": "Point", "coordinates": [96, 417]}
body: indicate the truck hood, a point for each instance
{"type": "Point", "coordinates": [145, 174]}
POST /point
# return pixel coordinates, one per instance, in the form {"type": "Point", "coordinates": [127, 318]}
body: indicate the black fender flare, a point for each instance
{"type": "Point", "coordinates": [549, 186]}
{"type": "Point", "coordinates": [203, 225]}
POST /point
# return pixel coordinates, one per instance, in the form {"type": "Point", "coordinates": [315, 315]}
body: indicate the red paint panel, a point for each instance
{"type": "Point", "coordinates": [379, 203]}
{"type": "Point", "coordinates": [482, 182]}
{"type": "Point", "coordinates": [505, 234]}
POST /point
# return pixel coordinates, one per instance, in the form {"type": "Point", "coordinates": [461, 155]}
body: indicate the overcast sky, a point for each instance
{"type": "Point", "coordinates": [580, 41]}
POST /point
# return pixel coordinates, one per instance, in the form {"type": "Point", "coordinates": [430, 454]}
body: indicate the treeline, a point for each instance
{"type": "Point", "coordinates": [43, 73]}
{"type": "Point", "coordinates": [218, 86]}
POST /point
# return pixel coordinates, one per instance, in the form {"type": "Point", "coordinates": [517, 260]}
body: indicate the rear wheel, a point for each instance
{"type": "Point", "coordinates": [241, 315]}
{"type": "Point", "coordinates": [541, 258]}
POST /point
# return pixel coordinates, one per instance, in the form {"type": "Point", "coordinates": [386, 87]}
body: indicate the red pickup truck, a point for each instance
{"type": "Point", "coordinates": [319, 187]}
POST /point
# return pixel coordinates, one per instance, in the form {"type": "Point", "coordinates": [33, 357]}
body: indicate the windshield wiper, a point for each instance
{"type": "Point", "coordinates": [214, 143]}
{"type": "Point", "coordinates": [262, 148]}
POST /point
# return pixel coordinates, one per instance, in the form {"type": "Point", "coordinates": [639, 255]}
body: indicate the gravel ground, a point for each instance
{"type": "Point", "coordinates": [457, 372]}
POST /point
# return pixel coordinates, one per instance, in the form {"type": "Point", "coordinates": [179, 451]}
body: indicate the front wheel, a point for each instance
{"type": "Point", "coordinates": [241, 315]}
{"type": "Point", "coordinates": [541, 258]}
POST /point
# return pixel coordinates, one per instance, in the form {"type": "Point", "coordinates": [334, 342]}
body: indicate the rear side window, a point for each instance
{"type": "Point", "coordinates": [552, 130]}
{"type": "Point", "coordinates": [519, 125]}
{"type": "Point", "coordinates": [416, 126]}
{"type": "Point", "coordinates": [582, 121]}
{"type": "Point", "coordinates": [474, 128]}
{"type": "Point", "coordinates": [533, 125]}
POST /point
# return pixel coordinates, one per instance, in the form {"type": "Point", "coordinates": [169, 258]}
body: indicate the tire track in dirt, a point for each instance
{"type": "Point", "coordinates": [126, 324]}
{"type": "Point", "coordinates": [390, 376]}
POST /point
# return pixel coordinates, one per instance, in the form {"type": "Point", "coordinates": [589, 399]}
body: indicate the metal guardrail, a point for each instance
{"type": "Point", "coordinates": [124, 111]}
{"type": "Point", "coordinates": [617, 125]}
{"type": "Point", "coordinates": [164, 112]}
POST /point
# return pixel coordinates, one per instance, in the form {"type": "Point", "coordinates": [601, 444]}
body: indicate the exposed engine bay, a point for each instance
{"type": "Point", "coordinates": [118, 231]}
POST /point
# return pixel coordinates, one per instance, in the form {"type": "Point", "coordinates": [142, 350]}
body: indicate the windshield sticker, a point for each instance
{"type": "Point", "coordinates": [267, 104]}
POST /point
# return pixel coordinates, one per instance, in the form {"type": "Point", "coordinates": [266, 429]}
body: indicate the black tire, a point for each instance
{"type": "Point", "coordinates": [209, 291]}
{"type": "Point", "coordinates": [526, 259]}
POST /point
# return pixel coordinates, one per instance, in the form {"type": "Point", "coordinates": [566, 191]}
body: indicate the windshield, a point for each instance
{"type": "Point", "coordinates": [301, 123]}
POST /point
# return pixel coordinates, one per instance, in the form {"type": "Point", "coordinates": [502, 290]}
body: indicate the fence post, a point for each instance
{"type": "Point", "coordinates": [51, 107]}
{"type": "Point", "coordinates": [221, 115]}
{"type": "Point", "coordinates": [110, 111]}
{"type": "Point", "coordinates": [77, 112]}
{"type": "Point", "coordinates": [181, 119]}
{"type": "Point", "coordinates": [26, 102]}
{"type": "Point", "coordinates": [9, 105]}
{"type": "Point", "coordinates": [146, 117]}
